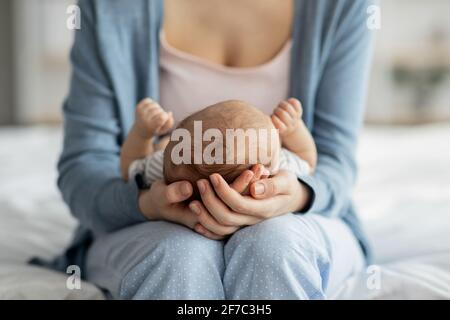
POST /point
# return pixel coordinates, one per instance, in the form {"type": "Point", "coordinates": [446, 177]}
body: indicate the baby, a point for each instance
{"type": "Point", "coordinates": [142, 159]}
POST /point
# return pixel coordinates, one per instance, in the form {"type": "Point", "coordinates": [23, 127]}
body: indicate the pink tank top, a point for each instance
{"type": "Point", "coordinates": [189, 83]}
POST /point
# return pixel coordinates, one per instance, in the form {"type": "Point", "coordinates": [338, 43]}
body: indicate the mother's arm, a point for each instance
{"type": "Point", "coordinates": [89, 175]}
{"type": "Point", "coordinates": [339, 110]}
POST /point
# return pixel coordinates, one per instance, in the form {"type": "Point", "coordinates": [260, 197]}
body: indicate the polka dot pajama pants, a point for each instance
{"type": "Point", "coordinates": [288, 257]}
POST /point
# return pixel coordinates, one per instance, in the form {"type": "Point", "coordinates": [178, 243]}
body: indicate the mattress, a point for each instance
{"type": "Point", "coordinates": [403, 196]}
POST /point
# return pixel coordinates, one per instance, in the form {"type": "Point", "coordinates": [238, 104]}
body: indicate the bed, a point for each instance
{"type": "Point", "coordinates": [403, 195]}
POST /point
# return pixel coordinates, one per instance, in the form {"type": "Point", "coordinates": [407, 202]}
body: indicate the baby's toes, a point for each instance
{"type": "Point", "coordinates": [284, 116]}
{"type": "Point", "coordinates": [159, 119]}
{"type": "Point", "coordinates": [290, 109]}
{"type": "Point", "coordinates": [147, 106]}
{"type": "Point", "coordinates": [278, 124]}
{"type": "Point", "coordinates": [296, 104]}
{"type": "Point", "coordinates": [167, 124]}
{"type": "Point", "coordinates": [144, 104]}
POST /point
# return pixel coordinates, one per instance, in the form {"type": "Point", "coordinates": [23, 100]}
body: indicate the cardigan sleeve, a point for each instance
{"type": "Point", "coordinates": [89, 175]}
{"type": "Point", "coordinates": [338, 115]}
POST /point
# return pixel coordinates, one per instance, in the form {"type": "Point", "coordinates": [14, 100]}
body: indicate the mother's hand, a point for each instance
{"type": "Point", "coordinates": [219, 226]}
{"type": "Point", "coordinates": [166, 202]}
{"type": "Point", "coordinates": [227, 207]}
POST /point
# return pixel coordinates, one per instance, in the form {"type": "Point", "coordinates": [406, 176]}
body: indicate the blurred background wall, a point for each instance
{"type": "Point", "coordinates": [40, 62]}
{"type": "Point", "coordinates": [410, 79]}
{"type": "Point", "coordinates": [411, 71]}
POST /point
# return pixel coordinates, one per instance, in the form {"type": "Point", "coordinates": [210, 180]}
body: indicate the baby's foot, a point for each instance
{"type": "Point", "coordinates": [151, 119]}
{"type": "Point", "coordinates": [162, 144]}
{"type": "Point", "coordinates": [287, 116]}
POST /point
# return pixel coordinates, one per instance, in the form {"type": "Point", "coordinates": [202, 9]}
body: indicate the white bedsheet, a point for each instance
{"type": "Point", "coordinates": [403, 195]}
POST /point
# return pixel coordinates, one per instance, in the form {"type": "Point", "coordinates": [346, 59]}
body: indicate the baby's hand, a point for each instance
{"type": "Point", "coordinates": [287, 116]}
{"type": "Point", "coordinates": [151, 119]}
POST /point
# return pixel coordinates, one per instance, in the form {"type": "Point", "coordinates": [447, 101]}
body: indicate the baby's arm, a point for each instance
{"type": "Point", "coordinates": [150, 120]}
{"type": "Point", "coordinates": [294, 134]}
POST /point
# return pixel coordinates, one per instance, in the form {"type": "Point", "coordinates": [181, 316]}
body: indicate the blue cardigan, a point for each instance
{"type": "Point", "coordinates": [115, 61]}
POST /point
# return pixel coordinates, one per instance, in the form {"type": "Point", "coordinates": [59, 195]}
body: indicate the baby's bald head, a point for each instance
{"type": "Point", "coordinates": [232, 114]}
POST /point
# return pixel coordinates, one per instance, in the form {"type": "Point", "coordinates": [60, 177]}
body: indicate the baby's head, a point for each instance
{"type": "Point", "coordinates": [225, 115]}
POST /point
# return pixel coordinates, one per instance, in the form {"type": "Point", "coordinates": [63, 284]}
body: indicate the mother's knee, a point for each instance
{"type": "Point", "coordinates": [279, 237]}
{"type": "Point", "coordinates": [163, 260]}
{"type": "Point", "coordinates": [183, 246]}
{"type": "Point", "coordinates": [283, 257]}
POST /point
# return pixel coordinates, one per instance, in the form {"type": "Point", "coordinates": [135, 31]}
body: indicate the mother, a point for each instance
{"type": "Point", "coordinates": [131, 242]}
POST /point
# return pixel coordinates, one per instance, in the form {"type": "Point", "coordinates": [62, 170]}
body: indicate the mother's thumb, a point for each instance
{"type": "Point", "coordinates": [263, 189]}
{"type": "Point", "coordinates": [178, 192]}
{"type": "Point", "coordinates": [270, 187]}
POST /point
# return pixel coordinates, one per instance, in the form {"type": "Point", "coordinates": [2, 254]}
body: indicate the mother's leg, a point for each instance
{"type": "Point", "coordinates": [290, 257]}
{"type": "Point", "coordinates": [157, 260]}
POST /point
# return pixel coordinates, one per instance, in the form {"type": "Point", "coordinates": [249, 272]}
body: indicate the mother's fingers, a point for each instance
{"type": "Point", "coordinates": [184, 216]}
{"type": "Point", "coordinates": [199, 228]}
{"type": "Point", "coordinates": [259, 172]}
{"type": "Point", "coordinates": [219, 210]}
{"type": "Point", "coordinates": [178, 192]}
{"type": "Point", "coordinates": [206, 220]}
{"type": "Point", "coordinates": [237, 202]}
{"type": "Point", "coordinates": [276, 185]}
{"type": "Point", "coordinates": [241, 183]}
{"type": "Point", "coordinates": [272, 196]}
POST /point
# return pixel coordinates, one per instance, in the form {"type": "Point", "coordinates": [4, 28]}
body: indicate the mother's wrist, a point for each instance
{"type": "Point", "coordinates": [303, 197]}
{"type": "Point", "coordinates": [144, 203]}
